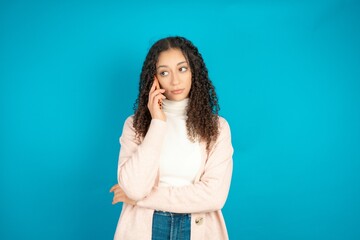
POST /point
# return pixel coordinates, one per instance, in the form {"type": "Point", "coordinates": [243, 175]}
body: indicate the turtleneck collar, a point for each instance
{"type": "Point", "coordinates": [175, 108]}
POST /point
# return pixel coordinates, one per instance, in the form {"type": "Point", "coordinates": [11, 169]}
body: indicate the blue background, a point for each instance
{"type": "Point", "coordinates": [288, 78]}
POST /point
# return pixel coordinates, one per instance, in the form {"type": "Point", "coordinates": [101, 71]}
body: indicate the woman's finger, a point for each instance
{"type": "Point", "coordinates": [114, 187]}
{"type": "Point", "coordinates": [114, 201]}
{"type": "Point", "coordinates": [153, 86]}
{"type": "Point", "coordinates": [157, 84]}
{"type": "Point", "coordinates": [118, 199]}
{"type": "Point", "coordinates": [156, 93]}
{"type": "Point", "coordinates": [159, 97]}
{"type": "Point", "coordinates": [152, 96]}
{"type": "Point", "coordinates": [119, 193]}
{"type": "Point", "coordinates": [151, 93]}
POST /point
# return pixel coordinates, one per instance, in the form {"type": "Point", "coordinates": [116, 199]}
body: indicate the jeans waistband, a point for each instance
{"type": "Point", "coordinates": [171, 214]}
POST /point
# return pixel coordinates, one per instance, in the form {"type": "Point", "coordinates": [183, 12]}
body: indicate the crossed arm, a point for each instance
{"type": "Point", "coordinates": [138, 171]}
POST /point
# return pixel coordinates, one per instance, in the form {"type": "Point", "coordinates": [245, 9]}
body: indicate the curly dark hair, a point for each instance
{"type": "Point", "coordinates": [202, 111]}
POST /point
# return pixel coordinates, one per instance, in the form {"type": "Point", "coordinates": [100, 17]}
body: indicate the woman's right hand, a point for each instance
{"type": "Point", "coordinates": [120, 196]}
{"type": "Point", "coordinates": [155, 96]}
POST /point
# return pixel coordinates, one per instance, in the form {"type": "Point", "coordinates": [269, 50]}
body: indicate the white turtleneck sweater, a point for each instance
{"type": "Point", "coordinates": [180, 158]}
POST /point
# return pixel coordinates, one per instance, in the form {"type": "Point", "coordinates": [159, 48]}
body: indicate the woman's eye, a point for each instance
{"type": "Point", "coordinates": [164, 73]}
{"type": "Point", "coordinates": [183, 69]}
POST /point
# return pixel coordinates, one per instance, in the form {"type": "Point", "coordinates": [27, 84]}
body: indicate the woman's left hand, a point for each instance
{"type": "Point", "coordinates": [120, 196]}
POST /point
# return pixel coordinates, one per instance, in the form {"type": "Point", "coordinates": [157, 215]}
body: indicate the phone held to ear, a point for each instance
{"type": "Point", "coordinates": [157, 86]}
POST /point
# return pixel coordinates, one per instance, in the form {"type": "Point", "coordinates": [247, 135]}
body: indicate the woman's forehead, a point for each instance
{"type": "Point", "coordinates": [171, 57]}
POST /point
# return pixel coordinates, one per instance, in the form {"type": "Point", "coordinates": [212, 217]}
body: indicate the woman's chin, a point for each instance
{"type": "Point", "coordinates": [177, 98]}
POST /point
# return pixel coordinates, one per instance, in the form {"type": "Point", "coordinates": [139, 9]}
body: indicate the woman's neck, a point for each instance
{"type": "Point", "coordinates": [175, 108]}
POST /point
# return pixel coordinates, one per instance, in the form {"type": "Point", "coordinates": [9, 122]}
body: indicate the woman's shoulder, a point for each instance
{"type": "Point", "coordinates": [223, 123]}
{"type": "Point", "coordinates": [130, 119]}
{"type": "Point", "coordinates": [128, 123]}
{"type": "Point", "coordinates": [224, 129]}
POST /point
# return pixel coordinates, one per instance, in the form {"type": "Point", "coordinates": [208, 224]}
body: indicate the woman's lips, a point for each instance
{"type": "Point", "coordinates": [178, 91]}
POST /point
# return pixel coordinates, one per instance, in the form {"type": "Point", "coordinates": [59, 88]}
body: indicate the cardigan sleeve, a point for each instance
{"type": "Point", "coordinates": [209, 193]}
{"type": "Point", "coordinates": [138, 163]}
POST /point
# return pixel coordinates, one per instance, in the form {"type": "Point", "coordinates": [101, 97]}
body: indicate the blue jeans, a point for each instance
{"type": "Point", "coordinates": [171, 226]}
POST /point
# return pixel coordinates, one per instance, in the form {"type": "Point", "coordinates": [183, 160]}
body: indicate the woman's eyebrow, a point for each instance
{"type": "Point", "coordinates": [167, 66]}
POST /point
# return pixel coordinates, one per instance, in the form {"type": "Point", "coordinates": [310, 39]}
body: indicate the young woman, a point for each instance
{"type": "Point", "coordinates": [175, 161]}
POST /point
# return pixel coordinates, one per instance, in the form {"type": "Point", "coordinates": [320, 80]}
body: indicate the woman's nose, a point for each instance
{"type": "Point", "coordinates": [175, 79]}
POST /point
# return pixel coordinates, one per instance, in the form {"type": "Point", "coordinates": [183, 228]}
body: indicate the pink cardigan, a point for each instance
{"type": "Point", "coordinates": [138, 177]}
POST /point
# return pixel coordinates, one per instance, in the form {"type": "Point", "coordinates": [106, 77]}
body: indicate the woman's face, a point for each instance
{"type": "Point", "coordinates": [174, 74]}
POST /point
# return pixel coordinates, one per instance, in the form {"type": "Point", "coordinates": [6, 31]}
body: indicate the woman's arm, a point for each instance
{"type": "Point", "coordinates": [139, 163]}
{"type": "Point", "coordinates": [210, 193]}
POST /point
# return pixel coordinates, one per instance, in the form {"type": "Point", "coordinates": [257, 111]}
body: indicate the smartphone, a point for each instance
{"type": "Point", "coordinates": [157, 86]}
